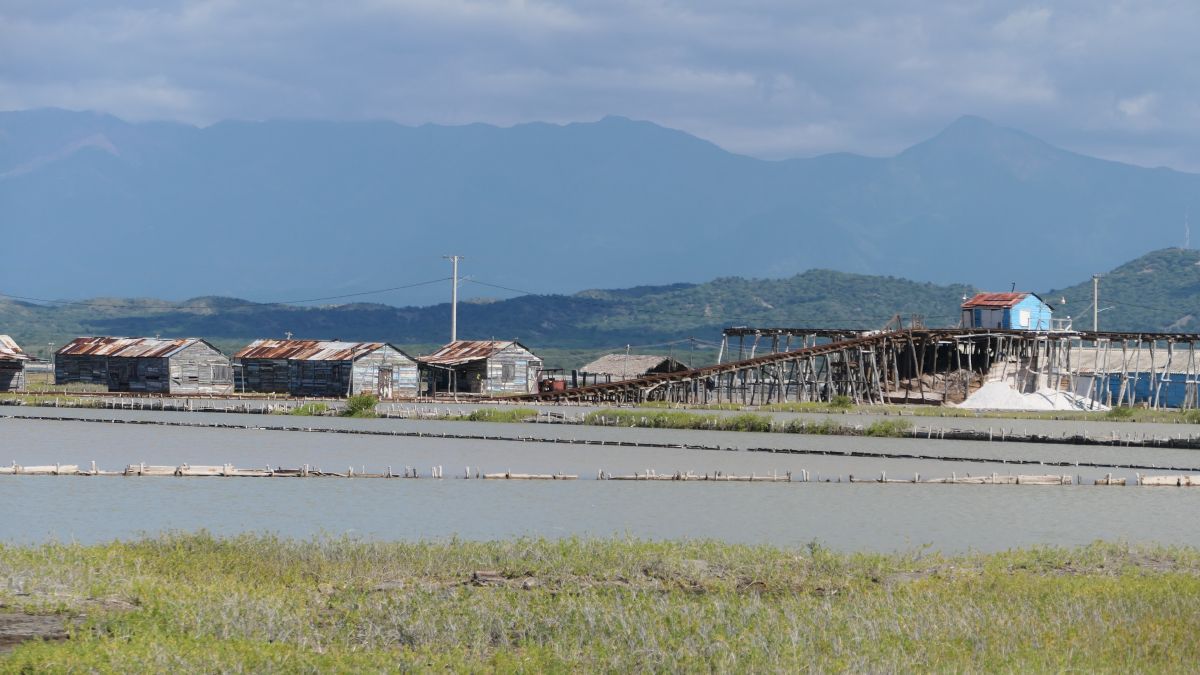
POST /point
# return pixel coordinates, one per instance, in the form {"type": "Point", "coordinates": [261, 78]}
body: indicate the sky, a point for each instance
{"type": "Point", "coordinates": [768, 79]}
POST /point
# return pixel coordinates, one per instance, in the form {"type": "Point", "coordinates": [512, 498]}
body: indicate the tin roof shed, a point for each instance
{"type": "Point", "coordinates": [465, 351]}
{"type": "Point", "coordinates": [999, 300]}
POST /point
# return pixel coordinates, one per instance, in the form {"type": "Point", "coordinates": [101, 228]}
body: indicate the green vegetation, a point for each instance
{"type": "Point", "coordinates": [1158, 291]}
{"type": "Point", "coordinates": [195, 603]}
{"type": "Point", "coordinates": [743, 422]}
{"type": "Point", "coordinates": [667, 405]}
{"type": "Point", "coordinates": [503, 415]}
{"type": "Point", "coordinates": [311, 410]}
{"type": "Point", "coordinates": [361, 405]}
{"type": "Point", "coordinates": [1119, 414]}
{"type": "Point", "coordinates": [1152, 292]}
{"type": "Point", "coordinates": [889, 428]}
{"type": "Point", "coordinates": [18, 398]}
{"type": "Point", "coordinates": [675, 419]}
{"type": "Point", "coordinates": [839, 404]}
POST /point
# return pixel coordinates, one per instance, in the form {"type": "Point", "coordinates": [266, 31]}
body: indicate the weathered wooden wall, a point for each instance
{"type": "Point", "coordinates": [85, 369]}
{"type": "Point", "coordinates": [199, 369]}
{"type": "Point", "coordinates": [512, 370]}
{"type": "Point", "coordinates": [319, 378]}
{"type": "Point", "coordinates": [261, 375]}
{"type": "Point", "coordinates": [330, 378]}
{"type": "Point", "coordinates": [366, 378]}
{"type": "Point", "coordinates": [146, 375]}
{"type": "Point", "coordinates": [12, 375]}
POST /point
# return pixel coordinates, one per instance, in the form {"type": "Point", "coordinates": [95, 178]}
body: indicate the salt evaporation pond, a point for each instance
{"type": "Point", "coordinates": [843, 516]}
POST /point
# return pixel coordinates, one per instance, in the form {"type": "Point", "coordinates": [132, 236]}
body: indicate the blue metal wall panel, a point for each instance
{"type": "Point", "coordinates": [1039, 314]}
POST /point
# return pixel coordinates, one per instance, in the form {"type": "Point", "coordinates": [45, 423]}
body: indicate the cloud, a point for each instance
{"type": "Point", "coordinates": [770, 78]}
{"type": "Point", "coordinates": [1138, 108]}
{"type": "Point", "coordinates": [1024, 24]}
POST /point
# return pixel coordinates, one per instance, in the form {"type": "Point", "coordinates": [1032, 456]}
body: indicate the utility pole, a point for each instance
{"type": "Point", "coordinates": [1096, 302]}
{"type": "Point", "coordinates": [454, 297]}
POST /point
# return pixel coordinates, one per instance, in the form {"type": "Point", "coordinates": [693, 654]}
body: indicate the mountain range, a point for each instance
{"type": "Point", "coordinates": [1155, 292]}
{"type": "Point", "coordinates": [284, 209]}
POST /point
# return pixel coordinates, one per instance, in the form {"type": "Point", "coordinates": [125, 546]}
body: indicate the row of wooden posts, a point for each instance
{"type": "Point", "coordinates": [437, 472]}
{"type": "Point", "coordinates": [923, 366]}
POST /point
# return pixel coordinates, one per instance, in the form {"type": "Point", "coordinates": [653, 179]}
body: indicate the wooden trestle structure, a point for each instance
{"type": "Point", "coordinates": [930, 366]}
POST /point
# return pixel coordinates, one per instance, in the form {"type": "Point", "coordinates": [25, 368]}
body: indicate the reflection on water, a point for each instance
{"type": "Point", "coordinates": [855, 517]}
{"type": "Point", "coordinates": [850, 517]}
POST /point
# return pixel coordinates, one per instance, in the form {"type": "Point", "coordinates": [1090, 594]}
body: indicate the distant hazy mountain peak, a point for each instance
{"type": "Point", "coordinates": [546, 206]}
{"type": "Point", "coordinates": [973, 133]}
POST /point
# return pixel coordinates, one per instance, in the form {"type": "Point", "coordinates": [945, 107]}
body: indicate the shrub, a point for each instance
{"type": "Point", "coordinates": [745, 422]}
{"type": "Point", "coordinates": [825, 427]}
{"type": "Point", "coordinates": [1119, 413]}
{"type": "Point", "coordinates": [501, 415]}
{"type": "Point", "coordinates": [889, 428]}
{"type": "Point", "coordinates": [841, 402]}
{"type": "Point", "coordinates": [309, 410]}
{"type": "Point", "coordinates": [362, 405]}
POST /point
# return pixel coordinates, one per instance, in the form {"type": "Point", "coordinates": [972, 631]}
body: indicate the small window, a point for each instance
{"type": "Point", "coordinates": [508, 372]}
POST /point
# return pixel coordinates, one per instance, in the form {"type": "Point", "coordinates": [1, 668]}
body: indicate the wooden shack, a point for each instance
{"type": "Point", "coordinates": [1012, 311]}
{"type": "Point", "coordinates": [617, 367]}
{"type": "Point", "coordinates": [12, 365]}
{"type": "Point", "coordinates": [183, 366]}
{"type": "Point", "coordinates": [488, 367]}
{"type": "Point", "coordinates": [325, 368]}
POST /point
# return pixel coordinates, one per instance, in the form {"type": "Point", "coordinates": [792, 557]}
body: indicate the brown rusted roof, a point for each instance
{"type": "Point", "coordinates": [9, 351]}
{"type": "Point", "coordinates": [308, 350]}
{"type": "Point", "coordinates": [465, 351]}
{"type": "Point", "coordinates": [127, 347]}
{"type": "Point", "coordinates": [995, 300]}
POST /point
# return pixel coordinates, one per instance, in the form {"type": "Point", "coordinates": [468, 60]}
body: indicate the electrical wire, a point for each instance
{"type": "Point", "coordinates": [673, 313]}
{"type": "Point", "coordinates": [504, 288]}
{"type": "Point", "coordinates": [90, 303]}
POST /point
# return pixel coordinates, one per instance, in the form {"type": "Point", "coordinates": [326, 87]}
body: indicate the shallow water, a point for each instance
{"type": "Point", "coordinates": [24, 437]}
{"type": "Point", "coordinates": [845, 516]}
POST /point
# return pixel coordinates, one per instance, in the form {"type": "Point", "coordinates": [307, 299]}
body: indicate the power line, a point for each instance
{"type": "Point", "coordinates": [360, 293]}
{"type": "Point", "coordinates": [1151, 307]}
{"type": "Point", "coordinates": [504, 288]}
{"type": "Point", "coordinates": [133, 305]}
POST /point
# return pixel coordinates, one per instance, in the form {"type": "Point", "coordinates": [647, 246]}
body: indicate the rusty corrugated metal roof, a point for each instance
{"type": "Point", "coordinates": [127, 347]}
{"type": "Point", "coordinates": [465, 351]}
{"type": "Point", "coordinates": [995, 300]}
{"type": "Point", "coordinates": [9, 351]}
{"type": "Point", "coordinates": [307, 350]}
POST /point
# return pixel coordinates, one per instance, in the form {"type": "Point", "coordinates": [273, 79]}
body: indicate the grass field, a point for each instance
{"type": "Point", "coordinates": [678, 419]}
{"type": "Point", "coordinates": [195, 603]}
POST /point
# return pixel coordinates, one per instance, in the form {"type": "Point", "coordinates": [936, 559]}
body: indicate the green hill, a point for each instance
{"type": "Point", "coordinates": [1158, 291]}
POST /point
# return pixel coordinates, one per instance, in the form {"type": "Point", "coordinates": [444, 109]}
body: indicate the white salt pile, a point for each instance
{"type": "Point", "coordinates": [1001, 396]}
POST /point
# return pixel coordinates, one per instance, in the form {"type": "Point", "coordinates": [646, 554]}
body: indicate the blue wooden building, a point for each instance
{"type": "Point", "coordinates": [1015, 311]}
